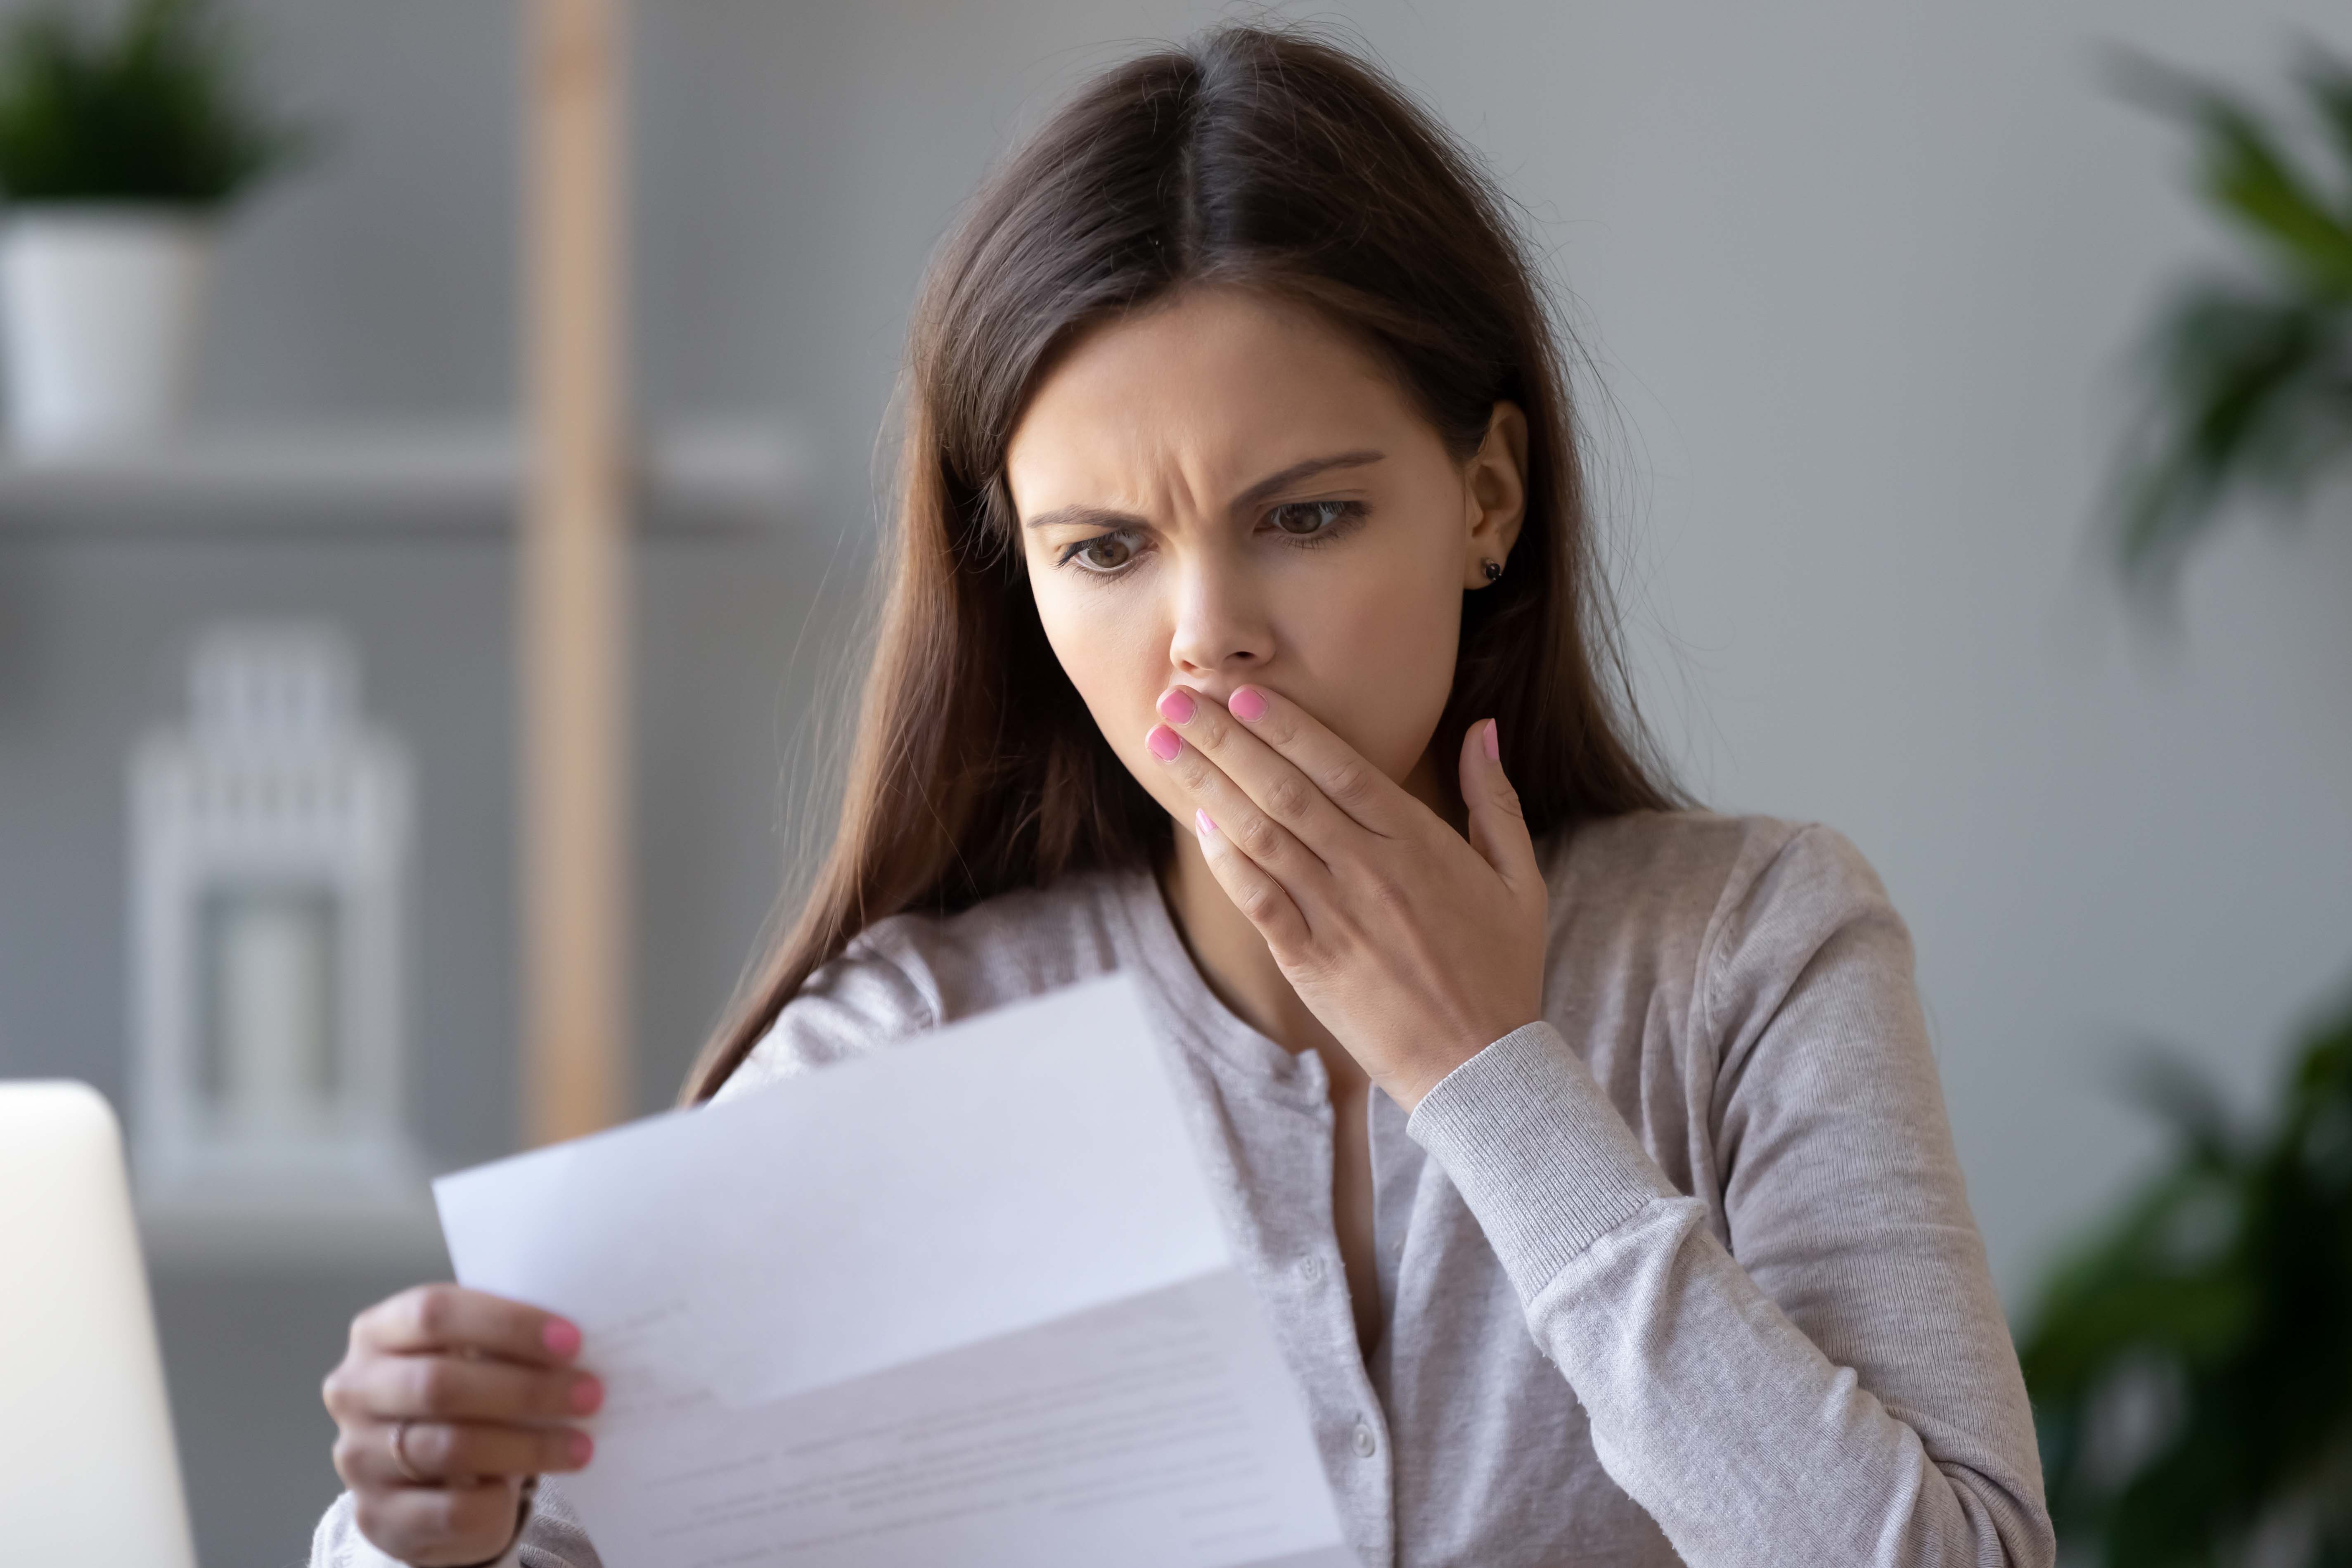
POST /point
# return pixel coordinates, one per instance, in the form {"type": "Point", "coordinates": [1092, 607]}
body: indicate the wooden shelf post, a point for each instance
{"type": "Point", "coordinates": [572, 576]}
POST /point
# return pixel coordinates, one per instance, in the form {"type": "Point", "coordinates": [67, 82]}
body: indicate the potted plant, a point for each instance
{"type": "Point", "coordinates": [118, 149]}
{"type": "Point", "coordinates": [2190, 1362]}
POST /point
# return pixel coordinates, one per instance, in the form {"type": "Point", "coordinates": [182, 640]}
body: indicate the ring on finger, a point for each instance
{"type": "Point", "coordinates": [400, 1455]}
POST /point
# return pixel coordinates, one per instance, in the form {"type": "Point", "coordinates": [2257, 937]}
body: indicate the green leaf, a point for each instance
{"type": "Point", "coordinates": [2249, 178]}
{"type": "Point", "coordinates": [152, 113]}
{"type": "Point", "coordinates": [2251, 391]}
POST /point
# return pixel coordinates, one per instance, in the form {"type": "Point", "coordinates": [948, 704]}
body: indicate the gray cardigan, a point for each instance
{"type": "Point", "coordinates": [1684, 1271]}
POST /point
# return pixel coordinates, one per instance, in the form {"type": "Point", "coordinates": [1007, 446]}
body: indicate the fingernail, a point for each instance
{"type": "Point", "coordinates": [580, 1447]}
{"type": "Point", "coordinates": [1204, 824]}
{"type": "Point", "coordinates": [1247, 704]}
{"type": "Point", "coordinates": [1163, 742]}
{"type": "Point", "coordinates": [586, 1394]}
{"type": "Point", "coordinates": [1176, 705]}
{"type": "Point", "coordinates": [559, 1337]}
{"type": "Point", "coordinates": [1493, 741]}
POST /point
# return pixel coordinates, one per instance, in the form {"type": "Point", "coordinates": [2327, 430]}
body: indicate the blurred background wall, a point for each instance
{"type": "Point", "coordinates": [1858, 282]}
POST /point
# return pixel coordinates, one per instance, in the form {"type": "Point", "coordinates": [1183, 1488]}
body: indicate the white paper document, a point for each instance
{"type": "Point", "coordinates": [964, 1301]}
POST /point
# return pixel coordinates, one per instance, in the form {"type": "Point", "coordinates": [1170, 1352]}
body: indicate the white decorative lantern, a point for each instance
{"type": "Point", "coordinates": [269, 842]}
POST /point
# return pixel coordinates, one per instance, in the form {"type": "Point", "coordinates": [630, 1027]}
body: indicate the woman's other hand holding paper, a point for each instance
{"type": "Point", "coordinates": [447, 1402]}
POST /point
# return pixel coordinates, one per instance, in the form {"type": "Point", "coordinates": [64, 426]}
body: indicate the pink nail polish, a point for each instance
{"type": "Point", "coordinates": [1163, 742]}
{"type": "Point", "coordinates": [1204, 824]}
{"type": "Point", "coordinates": [559, 1337]}
{"type": "Point", "coordinates": [1246, 704]}
{"type": "Point", "coordinates": [1176, 705]}
{"type": "Point", "coordinates": [582, 1447]}
{"type": "Point", "coordinates": [1494, 741]}
{"type": "Point", "coordinates": [586, 1394]}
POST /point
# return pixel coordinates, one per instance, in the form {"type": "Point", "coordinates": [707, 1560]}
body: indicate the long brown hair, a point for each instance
{"type": "Point", "coordinates": [1260, 157]}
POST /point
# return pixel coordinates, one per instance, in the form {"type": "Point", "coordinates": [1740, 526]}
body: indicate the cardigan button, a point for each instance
{"type": "Point", "coordinates": [1366, 1444]}
{"type": "Point", "coordinates": [1311, 1269]}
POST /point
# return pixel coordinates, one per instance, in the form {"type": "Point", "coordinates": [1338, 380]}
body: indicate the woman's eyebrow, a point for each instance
{"type": "Point", "coordinates": [1273, 484]}
{"type": "Point", "coordinates": [1092, 516]}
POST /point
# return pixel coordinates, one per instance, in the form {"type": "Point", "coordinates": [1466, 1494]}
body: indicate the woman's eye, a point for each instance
{"type": "Point", "coordinates": [1308, 519]}
{"type": "Point", "coordinates": [1103, 553]}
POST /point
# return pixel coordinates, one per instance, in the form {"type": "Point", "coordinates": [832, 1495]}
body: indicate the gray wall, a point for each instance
{"type": "Point", "coordinates": [1858, 280]}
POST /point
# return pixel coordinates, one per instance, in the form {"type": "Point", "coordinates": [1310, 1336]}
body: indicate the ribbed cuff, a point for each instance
{"type": "Point", "coordinates": [365, 1554]}
{"type": "Point", "coordinates": [1536, 1151]}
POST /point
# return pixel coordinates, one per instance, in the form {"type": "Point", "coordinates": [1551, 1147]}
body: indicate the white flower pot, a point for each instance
{"type": "Point", "coordinates": [99, 308]}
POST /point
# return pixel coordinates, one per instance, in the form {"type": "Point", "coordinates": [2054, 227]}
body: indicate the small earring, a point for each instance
{"type": "Point", "coordinates": [1494, 571]}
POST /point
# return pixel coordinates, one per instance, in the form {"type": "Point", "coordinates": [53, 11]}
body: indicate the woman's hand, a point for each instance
{"type": "Point", "coordinates": [1415, 948]}
{"type": "Point", "coordinates": [446, 1400]}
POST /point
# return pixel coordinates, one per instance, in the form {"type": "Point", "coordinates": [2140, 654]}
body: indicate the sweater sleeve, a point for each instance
{"type": "Point", "coordinates": [1839, 1385]}
{"type": "Point", "coordinates": [550, 1537]}
{"type": "Point", "coordinates": [868, 996]}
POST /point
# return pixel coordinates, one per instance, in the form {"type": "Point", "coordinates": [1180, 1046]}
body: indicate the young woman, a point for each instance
{"type": "Point", "coordinates": [1243, 633]}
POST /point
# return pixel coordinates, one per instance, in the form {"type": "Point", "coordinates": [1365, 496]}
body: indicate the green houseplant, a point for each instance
{"type": "Point", "coordinates": [118, 149]}
{"type": "Point", "coordinates": [2190, 1364]}
{"type": "Point", "coordinates": [2249, 369]}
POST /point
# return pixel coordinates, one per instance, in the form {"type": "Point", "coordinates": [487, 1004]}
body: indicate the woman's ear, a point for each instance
{"type": "Point", "coordinates": [1495, 494]}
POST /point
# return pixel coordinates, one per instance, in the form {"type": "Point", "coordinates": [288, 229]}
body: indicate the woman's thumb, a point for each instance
{"type": "Point", "coordinates": [1498, 828]}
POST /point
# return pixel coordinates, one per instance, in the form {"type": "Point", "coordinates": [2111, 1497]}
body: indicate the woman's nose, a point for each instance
{"type": "Point", "coordinates": [1220, 621]}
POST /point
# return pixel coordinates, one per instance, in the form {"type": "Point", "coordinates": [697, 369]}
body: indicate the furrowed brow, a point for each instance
{"type": "Point", "coordinates": [1276, 483]}
{"type": "Point", "coordinates": [1273, 484]}
{"type": "Point", "coordinates": [1084, 516]}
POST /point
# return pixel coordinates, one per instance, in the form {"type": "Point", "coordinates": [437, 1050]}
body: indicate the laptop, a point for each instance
{"type": "Point", "coordinates": [87, 1472]}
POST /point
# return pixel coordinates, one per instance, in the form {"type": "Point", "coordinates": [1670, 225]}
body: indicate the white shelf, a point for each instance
{"type": "Point", "coordinates": [727, 474]}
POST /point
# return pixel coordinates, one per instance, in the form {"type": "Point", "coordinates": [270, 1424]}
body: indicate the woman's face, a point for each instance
{"type": "Point", "coordinates": [1226, 490]}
